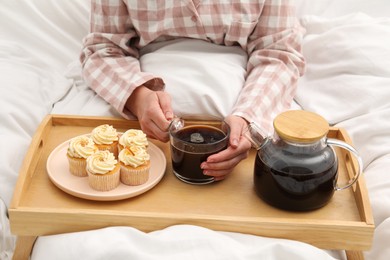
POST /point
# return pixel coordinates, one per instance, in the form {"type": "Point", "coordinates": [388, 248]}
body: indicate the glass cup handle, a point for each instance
{"type": "Point", "coordinates": [176, 124]}
{"type": "Point", "coordinates": [348, 147]}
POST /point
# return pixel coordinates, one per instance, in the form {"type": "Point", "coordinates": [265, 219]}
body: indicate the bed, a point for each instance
{"type": "Point", "coordinates": [347, 81]}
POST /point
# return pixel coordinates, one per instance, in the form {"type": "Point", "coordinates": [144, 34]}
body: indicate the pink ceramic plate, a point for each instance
{"type": "Point", "coordinates": [58, 170]}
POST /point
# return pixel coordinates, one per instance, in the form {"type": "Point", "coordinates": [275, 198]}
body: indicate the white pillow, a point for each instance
{"type": "Point", "coordinates": [348, 66]}
{"type": "Point", "coordinates": [194, 68]}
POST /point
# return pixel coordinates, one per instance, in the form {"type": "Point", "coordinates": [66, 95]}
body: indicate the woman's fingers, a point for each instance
{"type": "Point", "coordinates": [153, 112]}
{"type": "Point", "coordinates": [222, 164]}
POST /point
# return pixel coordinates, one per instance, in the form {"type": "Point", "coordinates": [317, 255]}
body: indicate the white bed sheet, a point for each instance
{"type": "Point", "coordinates": [39, 46]}
{"type": "Point", "coordinates": [174, 243]}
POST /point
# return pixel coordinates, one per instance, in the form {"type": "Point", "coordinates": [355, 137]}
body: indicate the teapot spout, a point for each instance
{"type": "Point", "coordinates": [254, 136]}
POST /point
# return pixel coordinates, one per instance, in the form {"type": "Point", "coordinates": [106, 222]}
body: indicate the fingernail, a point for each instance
{"type": "Point", "coordinates": [234, 142]}
{"type": "Point", "coordinates": [169, 115]}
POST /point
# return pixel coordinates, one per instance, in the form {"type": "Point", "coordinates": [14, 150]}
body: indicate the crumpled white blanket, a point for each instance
{"type": "Point", "coordinates": [173, 243]}
{"type": "Point", "coordinates": [7, 241]}
{"type": "Point", "coordinates": [348, 82]}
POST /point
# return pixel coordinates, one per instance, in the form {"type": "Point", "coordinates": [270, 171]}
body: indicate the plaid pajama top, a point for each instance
{"type": "Point", "coordinates": [266, 29]}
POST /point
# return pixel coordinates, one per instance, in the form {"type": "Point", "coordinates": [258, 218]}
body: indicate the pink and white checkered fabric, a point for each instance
{"type": "Point", "coordinates": [266, 29]}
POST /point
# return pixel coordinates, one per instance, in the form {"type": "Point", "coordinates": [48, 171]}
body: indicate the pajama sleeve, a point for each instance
{"type": "Point", "coordinates": [109, 58]}
{"type": "Point", "coordinates": [275, 63]}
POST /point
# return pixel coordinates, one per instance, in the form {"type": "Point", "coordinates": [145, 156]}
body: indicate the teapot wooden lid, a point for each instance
{"type": "Point", "coordinates": [301, 126]}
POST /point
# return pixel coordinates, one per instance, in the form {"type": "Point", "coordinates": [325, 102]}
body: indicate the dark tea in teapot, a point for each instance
{"type": "Point", "coordinates": [297, 183]}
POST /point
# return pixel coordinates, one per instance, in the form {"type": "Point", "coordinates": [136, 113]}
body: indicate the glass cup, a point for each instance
{"type": "Point", "coordinates": [191, 145]}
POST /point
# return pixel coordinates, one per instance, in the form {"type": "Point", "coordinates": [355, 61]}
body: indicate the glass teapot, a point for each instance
{"type": "Point", "coordinates": [297, 168]}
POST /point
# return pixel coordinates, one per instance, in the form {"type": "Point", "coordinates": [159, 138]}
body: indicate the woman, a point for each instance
{"type": "Point", "coordinates": [267, 30]}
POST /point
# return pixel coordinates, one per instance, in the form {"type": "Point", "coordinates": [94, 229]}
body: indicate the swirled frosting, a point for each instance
{"type": "Point", "coordinates": [104, 134]}
{"type": "Point", "coordinates": [81, 147]}
{"type": "Point", "coordinates": [134, 156]}
{"type": "Point", "coordinates": [101, 162]}
{"type": "Point", "coordinates": [133, 136]}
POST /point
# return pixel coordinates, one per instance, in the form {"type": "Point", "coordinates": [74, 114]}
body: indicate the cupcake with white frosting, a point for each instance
{"type": "Point", "coordinates": [132, 137]}
{"type": "Point", "coordinates": [79, 149]}
{"type": "Point", "coordinates": [135, 165]}
{"type": "Point", "coordinates": [103, 171]}
{"type": "Point", "coordinates": [105, 137]}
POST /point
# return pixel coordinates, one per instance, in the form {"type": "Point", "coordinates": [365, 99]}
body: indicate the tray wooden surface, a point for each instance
{"type": "Point", "coordinates": [40, 208]}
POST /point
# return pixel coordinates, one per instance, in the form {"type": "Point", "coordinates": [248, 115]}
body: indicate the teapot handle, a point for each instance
{"type": "Point", "coordinates": [348, 147]}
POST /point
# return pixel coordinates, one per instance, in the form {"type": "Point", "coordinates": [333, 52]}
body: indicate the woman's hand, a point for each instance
{"type": "Point", "coordinates": [153, 110]}
{"type": "Point", "coordinates": [221, 164]}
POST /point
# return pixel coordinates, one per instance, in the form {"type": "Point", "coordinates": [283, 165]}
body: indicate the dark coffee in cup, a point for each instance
{"type": "Point", "coordinates": [191, 145]}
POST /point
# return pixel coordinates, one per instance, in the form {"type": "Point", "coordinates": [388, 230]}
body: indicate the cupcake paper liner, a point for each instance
{"type": "Point", "coordinates": [77, 166]}
{"type": "Point", "coordinates": [104, 182]}
{"type": "Point", "coordinates": [134, 176]}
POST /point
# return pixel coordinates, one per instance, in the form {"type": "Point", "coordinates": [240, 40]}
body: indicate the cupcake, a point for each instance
{"type": "Point", "coordinates": [105, 137]}
{"type": "Point", "coordinates": [132, 137]}
{"type": "Point", "coordinates": [80, 147]}
{"type": "Point", "coordinates": [103, 171]}
{"type": "Point", "coordinates": [134, 162]}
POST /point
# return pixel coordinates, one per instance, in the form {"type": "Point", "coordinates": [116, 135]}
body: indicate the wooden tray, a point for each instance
{"type": "Point", "coordinates": [40, 208]}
